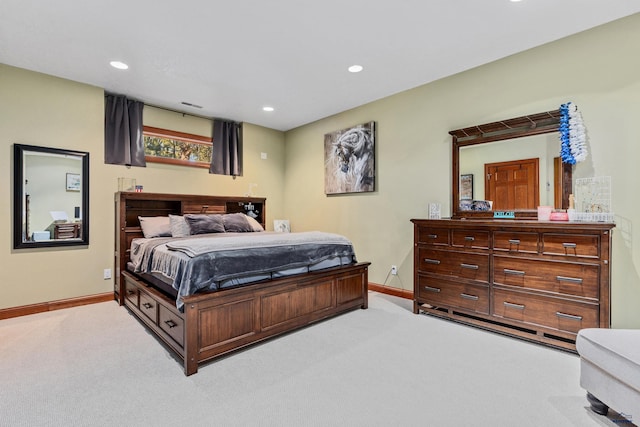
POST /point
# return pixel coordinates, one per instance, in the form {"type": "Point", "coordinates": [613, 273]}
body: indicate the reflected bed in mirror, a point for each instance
{"type": "Point", "coordinates": [50, 197]}
{"type": "Point", "coordinates": [513, 163]}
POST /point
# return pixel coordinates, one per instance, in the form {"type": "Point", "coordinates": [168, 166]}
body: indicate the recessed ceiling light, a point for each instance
{"type": "Point", "coordinates": [355, 68]}
{"type": "Point", "coordinates": [515, 1]}
{"type": "Point", "coordinates": [267, 108]}
{"type": "Point", "coordinates": [119, 65]}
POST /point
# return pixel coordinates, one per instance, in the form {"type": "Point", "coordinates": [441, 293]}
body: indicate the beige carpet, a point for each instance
{"type": "Point", "coordinates": [97, 366]}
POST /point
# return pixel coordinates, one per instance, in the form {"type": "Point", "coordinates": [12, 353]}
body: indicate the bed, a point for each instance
{"type": "Point", "coordinates": [207, 294]}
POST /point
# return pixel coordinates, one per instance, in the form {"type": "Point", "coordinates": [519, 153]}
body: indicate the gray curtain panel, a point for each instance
{"type": "Point", "coordinates": [227, 148]}
{"type": "Point", "coordinates": [123, 144]}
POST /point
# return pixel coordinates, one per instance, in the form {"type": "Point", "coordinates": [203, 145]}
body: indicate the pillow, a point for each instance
{"type": "Point", "coordinates": [236, 222]}
{"type": "Point", "coordinates": [155, 226]}
{"type": "Point", "coordinates": [255, 225]}
{"type": "Point", "coordinates": [179, 226]}
{"type": "Point", "coordinates": [203, 224]}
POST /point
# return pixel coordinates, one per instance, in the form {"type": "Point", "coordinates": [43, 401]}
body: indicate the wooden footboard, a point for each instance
{"type": "Point", "coordinates": [216, 323]}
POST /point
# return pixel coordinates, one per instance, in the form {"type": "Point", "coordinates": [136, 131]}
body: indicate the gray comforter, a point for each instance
{"type": "Point", "coordinates": [206, 261]}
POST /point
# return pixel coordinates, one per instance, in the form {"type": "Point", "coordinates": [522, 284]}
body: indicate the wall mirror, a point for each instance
{"type": "Point", "coordinates": [50, 197]}
{"type": "Point", "coordinates": [512, 163]}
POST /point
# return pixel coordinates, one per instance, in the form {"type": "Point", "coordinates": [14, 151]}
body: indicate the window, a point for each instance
{"type": "Point", "coordinates": [177, 148]}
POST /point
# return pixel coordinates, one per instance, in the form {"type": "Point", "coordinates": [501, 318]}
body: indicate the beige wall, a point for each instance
{"type": "Point", "coordinates": [42, 110]}
{"type": "Point", "coordinates": [597, 70]}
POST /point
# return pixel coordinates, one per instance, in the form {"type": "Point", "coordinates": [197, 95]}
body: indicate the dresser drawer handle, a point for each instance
{"type": "Point", "coordinates": [469, 238]}
{"type": "Point", "coordinates": [514, 241]}
{"type": "Point", "coordinates": [130, 292]}
{"type": "Point", "coordinates": [569, 245]}
{"type": "Point", "coordinates": [469, 266]}
{"type": "Point", "coordinates": [569, 279]}
{"type": "Point", "coordinates": [432, 236]}
{"type": "Point", "coordinates": [471, 297]}
{"type": "Point", "coordinates": [513, 272]}
{"type": "Point", "coordinates": [432, 261]}
{"type": "Point", "coordinates": [147, 305]}
{"type": "Point", "coordinates": [512, 305]}
{"type": "Point", "coordinates": [430, 289]}
{"type": "Point", "coordinates": [568, 316]}
{"type": "Point", "coordinates": [170, 323]}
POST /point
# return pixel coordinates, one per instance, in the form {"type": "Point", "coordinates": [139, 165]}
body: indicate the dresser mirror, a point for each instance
{"type": "Point", "coordinates": [526, 149]}
{"type": "Point", "coordinates": [50, 197]}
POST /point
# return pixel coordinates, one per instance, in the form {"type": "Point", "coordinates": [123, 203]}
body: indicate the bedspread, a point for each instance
{"type": "Point", "coordinates": [205, 261]}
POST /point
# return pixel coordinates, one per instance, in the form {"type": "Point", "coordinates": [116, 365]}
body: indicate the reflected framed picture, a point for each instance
{"type": "Point", "coordinates": [73, 182]}
{"type": "Point", "coordinates": [466, 186]}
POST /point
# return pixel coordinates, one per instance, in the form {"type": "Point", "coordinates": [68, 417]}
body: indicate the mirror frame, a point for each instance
{"type": "Point", "coordinates": [536, 124]}
{"type": "Point", "coordinates": [18, 198]}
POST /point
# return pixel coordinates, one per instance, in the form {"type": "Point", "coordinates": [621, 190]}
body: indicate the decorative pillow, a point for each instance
{"type": "Point", "coordinates": [179, 226]}
{"type": "Point", "coordinates": [155, 226]}
{"type": "Point", "coordinates": [236, 223]}
{"type": "Point", "coordinates": [203, 224]}
{"type": "Point", "coordinates": [254, 224]}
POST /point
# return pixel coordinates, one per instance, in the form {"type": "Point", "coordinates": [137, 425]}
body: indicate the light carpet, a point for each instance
{"type": "Point", "coordinates": [97, 366]}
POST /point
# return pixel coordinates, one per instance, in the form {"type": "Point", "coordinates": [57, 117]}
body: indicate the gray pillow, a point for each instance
{"type": "Point", "coordinates": [236, 223]}
{"type": "Point", "coordinates": [203, 224]}
{"type": "Point", "coordinates": [179, 226]}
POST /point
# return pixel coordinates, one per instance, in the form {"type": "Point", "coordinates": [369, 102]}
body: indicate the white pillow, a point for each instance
{"type": "Point", "coordinates": [255, 225]}
{"type": "Point", "coordinates": [155, 226]}
{"type": "Point", "coordinates": [179, 226]}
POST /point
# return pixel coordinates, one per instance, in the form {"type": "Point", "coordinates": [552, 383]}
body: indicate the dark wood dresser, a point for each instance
{"type": "Point", "coordinates": [541, 281]}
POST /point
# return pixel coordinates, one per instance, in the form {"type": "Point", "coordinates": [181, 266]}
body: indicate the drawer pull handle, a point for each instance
{"type": "Point", "coordinates": [469, 238]}
{"type": "Point", "coordinates": [469, 266]}
{"type": "Point", "coordinates": [130, 292]}
{"type": "Point", "coordinates": [568, 316]}
{"type": "Point", "coordinates": [514, 241]}
{"type": "Point", "coordinates": [471, 297]}
{"type": "Point", "coordinates": [147, 305]}
{"type": "Point", "coordinates": [432, 236]}
{"type": "Point", "coordinates": [432, 261]}
{"type": "Point", "coordinates": [512, 305]}
{"type": "Point", "coordinates": [569, 279]}
{"type": "Point", "coordinates": [569, 245]}
{"type": "Point", "coordinates": [430, 289]}
{"type": "Point", "coordinates": [513, 272]}
{"type": "Point", "coordinates": [170, 323]}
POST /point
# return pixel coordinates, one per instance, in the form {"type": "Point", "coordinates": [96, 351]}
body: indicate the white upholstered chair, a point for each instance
{"type": "Point", "coordinates": [610, 370]}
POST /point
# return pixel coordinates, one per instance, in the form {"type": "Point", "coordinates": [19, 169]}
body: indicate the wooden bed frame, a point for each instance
{"type": "Point", "coordinates": [216, 323]}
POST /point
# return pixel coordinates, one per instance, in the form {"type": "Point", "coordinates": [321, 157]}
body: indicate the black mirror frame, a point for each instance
{"type": "Point", "coordinates": [18, 198]}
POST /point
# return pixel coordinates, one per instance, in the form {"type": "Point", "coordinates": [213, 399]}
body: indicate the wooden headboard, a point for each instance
{"type": "Point", "coordinates": [129, 206]}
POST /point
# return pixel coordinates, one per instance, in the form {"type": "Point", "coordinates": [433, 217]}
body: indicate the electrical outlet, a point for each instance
{"type": "Point", "coordinates": [394, 270]}
{"type": "Point", "coordinates": [107, 274]}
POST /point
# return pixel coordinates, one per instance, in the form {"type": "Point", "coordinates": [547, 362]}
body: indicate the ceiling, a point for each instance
{"type": "Point", "coordinates": [234, 57]}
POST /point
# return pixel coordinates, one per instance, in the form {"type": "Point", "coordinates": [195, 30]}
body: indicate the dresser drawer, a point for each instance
{"type": "Point", "coordinates": [515, 242]}
{"type": "Point", "coordinates": [462, 265]}
{"type": "Point", "coordinates": [453, 294]}
{"type": "Point", "coordinates": [568, 316]}
{"type": "Point", "coordinates": [559, 277]}
{"type": "Point", "coordinates": [475, 239]}
{"type": "Point", "coordinates": [131, 293]}
{"type": "Point", "coordinates": [148, 306]}
{"type": "Point", "coordinates": [571, 245]}
{"type": "Point", "coordinates": [172, 324]}
{"type": "Point", "coordinates": [433, 236]}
